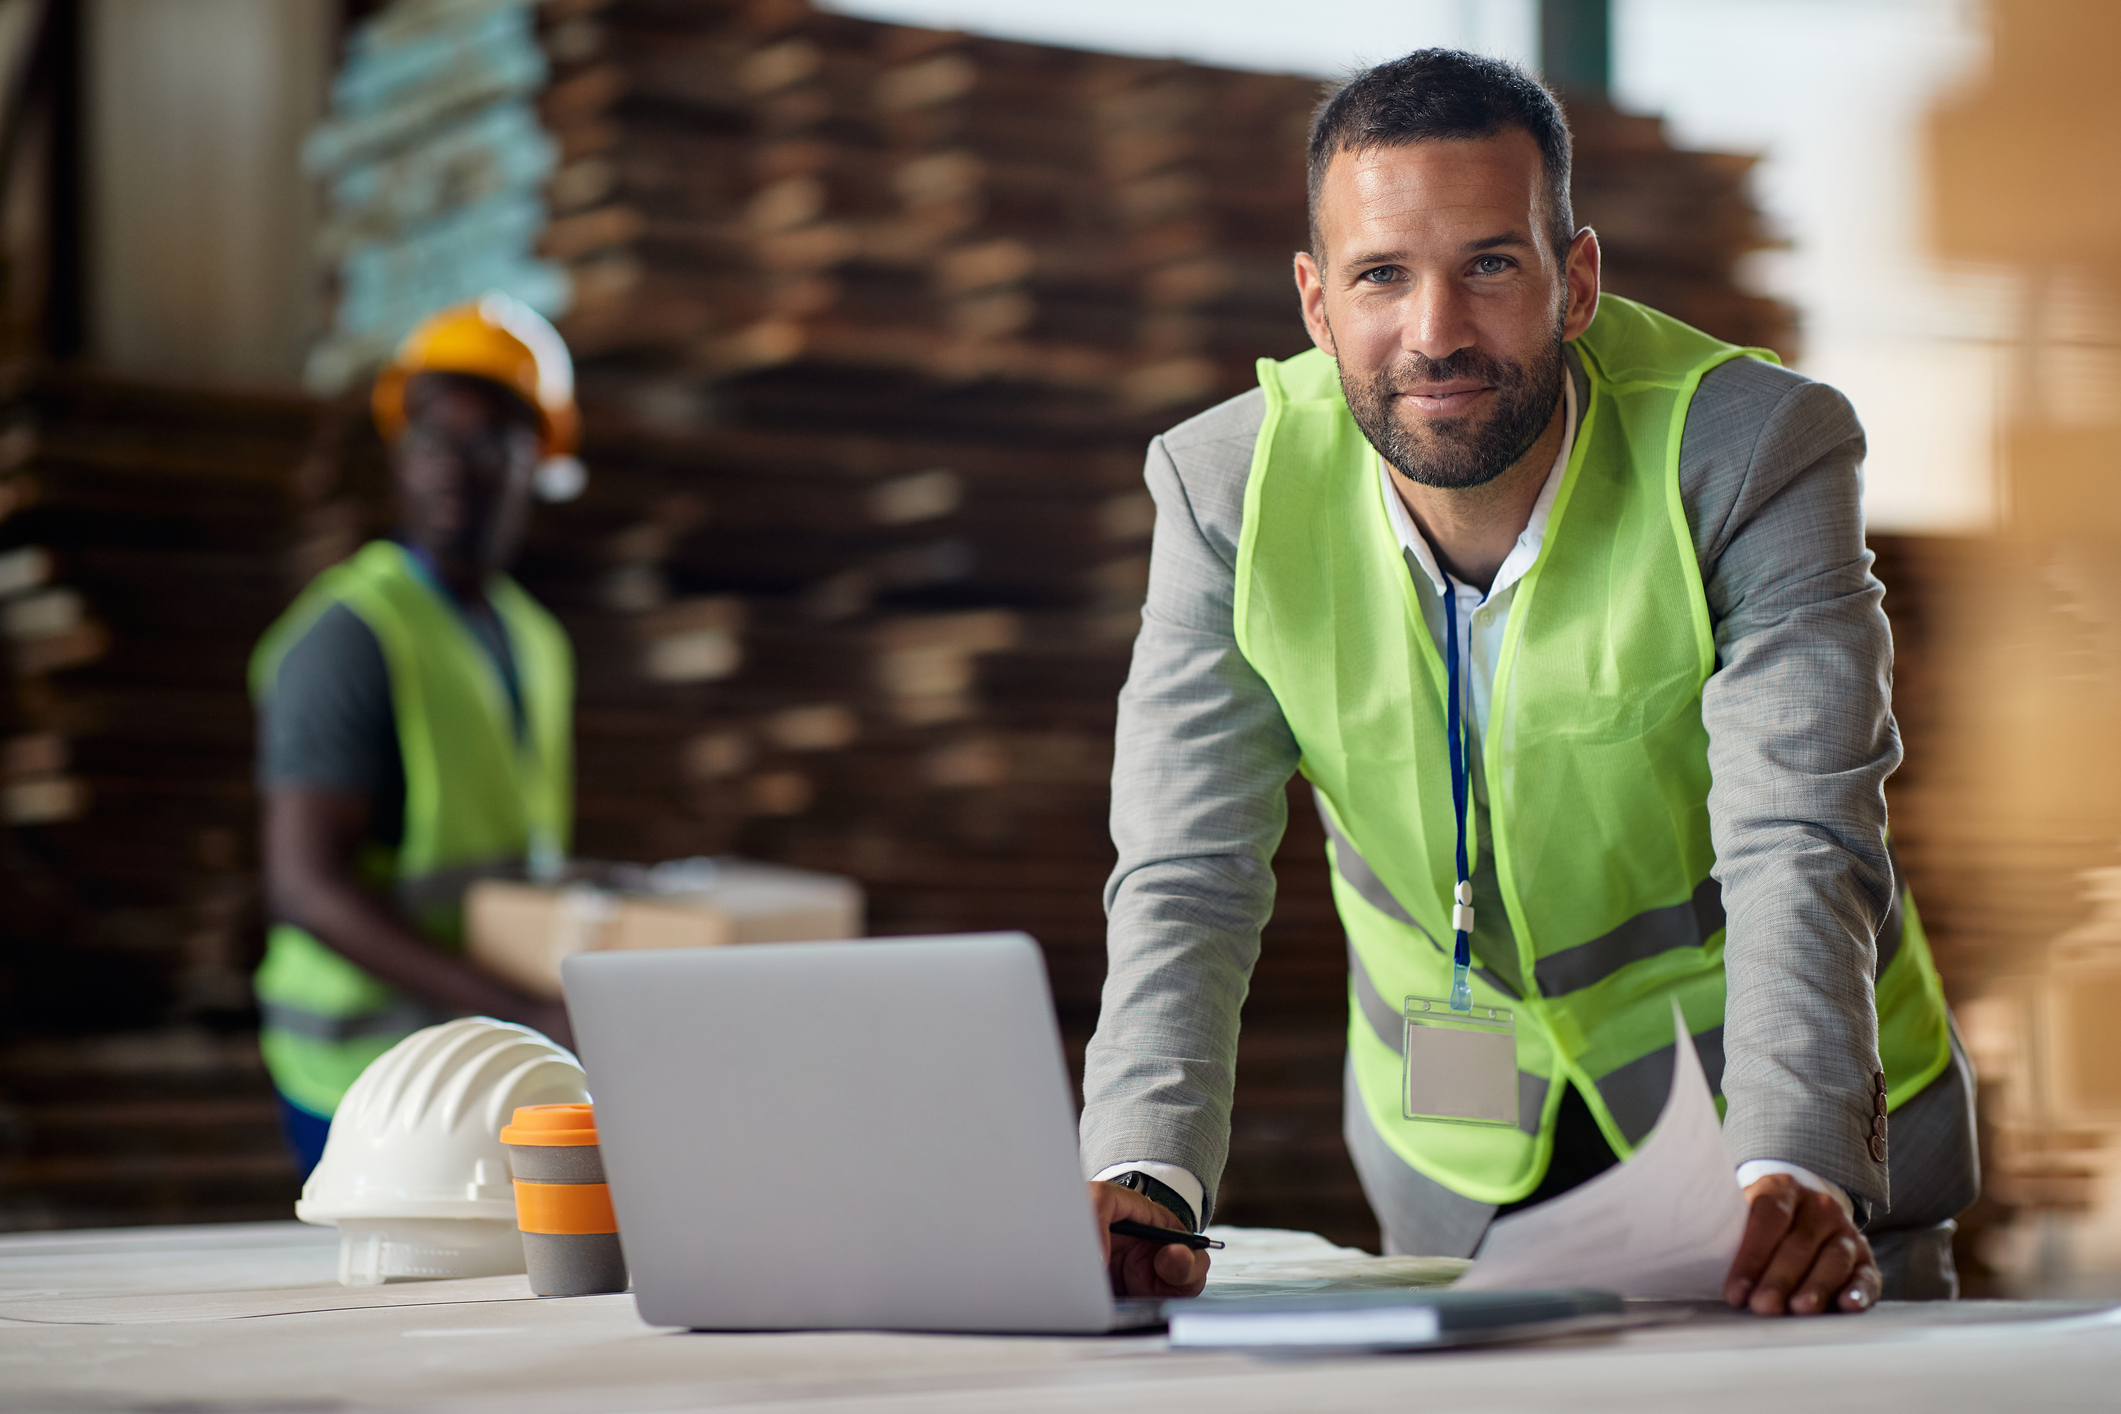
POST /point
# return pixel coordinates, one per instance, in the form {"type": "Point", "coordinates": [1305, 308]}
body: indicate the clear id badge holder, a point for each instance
{"type": "Point", "coordinates": [1461, 1065]}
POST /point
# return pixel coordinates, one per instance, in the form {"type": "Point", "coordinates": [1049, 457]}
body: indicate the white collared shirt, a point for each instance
{"type": "Point", "coordinates": [1482, 617]}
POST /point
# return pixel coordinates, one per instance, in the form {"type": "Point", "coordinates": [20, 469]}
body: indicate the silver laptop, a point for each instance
{"type": "Point", "coordinates": [871, 1135]}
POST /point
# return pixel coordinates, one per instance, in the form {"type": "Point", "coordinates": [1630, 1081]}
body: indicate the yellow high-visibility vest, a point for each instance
{"type": "Point", "coordinates": [478, 799]}
{"type": "Point", "coordinates": [1595, 757]}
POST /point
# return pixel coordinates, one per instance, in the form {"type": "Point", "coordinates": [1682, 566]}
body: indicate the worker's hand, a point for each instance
{"type": "Point", "coordinates": [1139, 1267]}
{"type": "Point", "coordinates": [1801, 1254]}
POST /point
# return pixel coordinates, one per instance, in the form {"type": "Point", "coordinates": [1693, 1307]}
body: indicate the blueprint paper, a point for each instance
{"type": "Point", "coordinates": [1665, 1223]}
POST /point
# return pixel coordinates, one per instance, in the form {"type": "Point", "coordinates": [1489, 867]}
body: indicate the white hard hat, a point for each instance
{"type": "Point", "coordinates": [414, 1174]}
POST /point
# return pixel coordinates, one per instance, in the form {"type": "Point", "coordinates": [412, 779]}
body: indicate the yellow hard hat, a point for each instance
{"type": "Point", "coordinates": [495, 337]}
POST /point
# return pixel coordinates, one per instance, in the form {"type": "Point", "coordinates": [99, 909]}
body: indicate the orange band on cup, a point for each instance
{"type": "Point", "coordinates": [566, 1209]}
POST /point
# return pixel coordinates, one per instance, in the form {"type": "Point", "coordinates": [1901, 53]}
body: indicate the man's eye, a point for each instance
{"type": "Point", "coordinates": [1490, 265]}
{"type": "Point", "coordinates": [1382, 275]}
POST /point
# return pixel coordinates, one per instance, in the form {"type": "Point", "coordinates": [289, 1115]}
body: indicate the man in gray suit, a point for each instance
{"type": "Point", "coordinates": [1485, 492]}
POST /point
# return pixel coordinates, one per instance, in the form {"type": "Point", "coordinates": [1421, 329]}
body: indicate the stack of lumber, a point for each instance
{"type": "Point", "coordinates": [860, 330]}
{"type": "Point", "coordinates": [2018, 886]}
{"type": "Point", "coordinates": [142, 551]}
{"type": "Point", "coordinates": [2019, 809]}
{"type": "Point", "coordinates": [144, 536]}
{"type": "Point", "coordinates": [433, 160]}
{"type": "Point", "coordinates": [1206, 169]}
{"type": "Point", "coordinates": [871, 325]}
{"type": "Point", "coordinates": [155, 1127]}
{"type": "Point", "coordinates": [1674, 226]}
{"type": "Point", "coordinates": [923, 222]}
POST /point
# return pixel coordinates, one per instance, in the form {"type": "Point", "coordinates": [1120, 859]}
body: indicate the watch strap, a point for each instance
{"type": "Point", "coordinates": [1157, 1191]}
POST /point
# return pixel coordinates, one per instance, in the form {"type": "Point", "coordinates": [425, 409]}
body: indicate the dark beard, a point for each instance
{"type": "Point", "coordinates": [1459, 452]}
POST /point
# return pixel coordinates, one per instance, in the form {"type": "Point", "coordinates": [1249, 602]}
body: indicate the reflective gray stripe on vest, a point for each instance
{"type": "Point", "coordinates": [1350, 864]}
{"type": "Point", "coordinates": [400, 1019]}
{"type": "Point", "coordinates": [1388, 1021]}
{"type": "Point", "coordinates": [444, 888]}
{"type": "Point", "coordinates": [1688, 924]}
{"type": "Point", "coordinates": [1390, 1024]}
{"type": "Point", "coordinates": [1357, 871]}
{"type": "Point", "coordinates": [1635, 1092]}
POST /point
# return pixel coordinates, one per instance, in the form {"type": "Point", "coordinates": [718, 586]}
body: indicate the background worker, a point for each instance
{"type": "Point", "coordinates": [1564, 610]}
{"type": "Point", "coordinates": [415, 720]}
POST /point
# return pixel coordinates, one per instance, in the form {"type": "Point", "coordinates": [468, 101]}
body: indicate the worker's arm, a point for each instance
{"type": "Point", "coordinates": [328, 763]}
{"type": "Point", "coordinates": [1801, 740]}
{"type": "Point", "coordinates": [1201, 758]}
{"type": "Point", "coordinates": [312, 837]}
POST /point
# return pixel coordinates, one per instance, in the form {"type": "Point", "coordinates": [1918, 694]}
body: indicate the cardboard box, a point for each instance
{"type": "Point", "coordinates": [522, 932]}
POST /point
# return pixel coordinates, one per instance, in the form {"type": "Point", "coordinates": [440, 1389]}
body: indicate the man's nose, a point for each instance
{"type": "Point", "coordinates": [1437, 319]}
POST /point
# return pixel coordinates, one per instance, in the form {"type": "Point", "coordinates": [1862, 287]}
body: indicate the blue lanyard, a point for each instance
{"type": "Point", "coordinates": [1462, 893]}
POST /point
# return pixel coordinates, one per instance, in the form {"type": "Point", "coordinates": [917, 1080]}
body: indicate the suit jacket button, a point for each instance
{"type": "Point", "coordinates": [1878, 1101]}
{"type": "Point", "coordinates": [1878, 1148]}
{"type": "Point", "coordinates": [1878, 1081]}
{"type": "Point", "coordinates": [1878, 1125]}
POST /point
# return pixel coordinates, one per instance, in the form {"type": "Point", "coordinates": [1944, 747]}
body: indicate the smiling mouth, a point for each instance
{"type": "Point", "coordinates": [1445, 402]}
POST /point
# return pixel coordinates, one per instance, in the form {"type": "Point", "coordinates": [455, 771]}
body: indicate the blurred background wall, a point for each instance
{"type": "Point", "coordinates": [199, 216]}
{"type": "Point", "coordinates": [2029, 770]}
{"type": "Point", "coordinates": [874, 306]}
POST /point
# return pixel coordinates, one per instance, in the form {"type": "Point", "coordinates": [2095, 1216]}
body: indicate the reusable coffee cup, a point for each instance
{"type": "Point", "coordinates": [563, 1205]}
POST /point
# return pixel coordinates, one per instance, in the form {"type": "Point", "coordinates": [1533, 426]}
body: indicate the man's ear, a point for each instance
{"type": "Point", "coordinates": [1581, 273]}
{"type": "Point", "coordinates": [1311, 290]}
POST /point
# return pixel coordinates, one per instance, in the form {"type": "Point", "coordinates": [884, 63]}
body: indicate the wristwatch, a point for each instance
{"type": "Point", "coordinates": [1157, 1191]}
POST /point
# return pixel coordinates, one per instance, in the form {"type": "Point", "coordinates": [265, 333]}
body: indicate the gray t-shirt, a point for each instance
{"type": "Point", "coordinates": [329, 721]}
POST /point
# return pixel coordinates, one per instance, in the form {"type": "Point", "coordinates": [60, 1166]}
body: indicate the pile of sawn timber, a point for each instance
{"type": "Point", "coordinates": [143, 549]}
{"type": "Point", "coordinates": [873, 324]}
{"type": "Point", "coordinates": [144, 538]}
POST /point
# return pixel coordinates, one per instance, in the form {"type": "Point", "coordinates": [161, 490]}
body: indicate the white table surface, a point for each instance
{"type": "Point", "coordinates": [176, 1319]}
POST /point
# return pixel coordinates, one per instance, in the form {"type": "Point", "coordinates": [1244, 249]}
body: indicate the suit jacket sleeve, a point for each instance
{"type": "Point", "coordinates": [1801, 740]}
{"type": "Point", "coordinates": [1201, 756]}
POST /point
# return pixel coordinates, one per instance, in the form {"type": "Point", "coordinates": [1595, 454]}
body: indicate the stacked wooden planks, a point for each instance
{"type": "Point", "coordinates": [858, 321]}
{"type": "Point", "coordinates": [162, 1126]}
{"type": "Point", "coordinates": [143, 548]}
{"type": "Point", "coordinates": [433, 161]}
{"type": "Point", "coordinates": [144, 552]}
{"type": "Point", "coordinates": [871, 325]}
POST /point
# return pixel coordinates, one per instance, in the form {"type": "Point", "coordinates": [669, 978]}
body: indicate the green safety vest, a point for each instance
{"type": "Point", "coordinates": [478, 801]}
{"type": "Point", "coordinates": [1595, 758]}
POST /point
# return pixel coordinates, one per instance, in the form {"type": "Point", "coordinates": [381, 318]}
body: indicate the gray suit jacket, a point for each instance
{"type": "Point", "coordinates": [1801, 740]}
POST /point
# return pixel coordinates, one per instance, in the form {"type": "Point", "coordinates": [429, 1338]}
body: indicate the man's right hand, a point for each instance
{"type": "Point", "coordinates": [1140, 1267]}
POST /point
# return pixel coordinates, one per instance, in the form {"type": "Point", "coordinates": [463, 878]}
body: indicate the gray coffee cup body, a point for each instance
{"type": "Point", "coordinates": [567, 1264]}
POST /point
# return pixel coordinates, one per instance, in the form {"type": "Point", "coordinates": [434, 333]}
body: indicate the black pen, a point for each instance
{"type": "Point", "coordinates": [1169, 1236]}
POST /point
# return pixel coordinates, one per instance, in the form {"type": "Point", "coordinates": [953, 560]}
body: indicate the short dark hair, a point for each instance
{"type": "Point", "coordinates": [1435, 95]}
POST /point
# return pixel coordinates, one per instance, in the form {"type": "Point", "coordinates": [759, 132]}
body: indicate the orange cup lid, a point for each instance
{"type": "Point", "coordinates": [552, 1124]}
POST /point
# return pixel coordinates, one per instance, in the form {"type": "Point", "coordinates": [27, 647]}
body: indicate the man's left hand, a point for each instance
{"type": "Point", "coordinates": [1801, 1254]}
